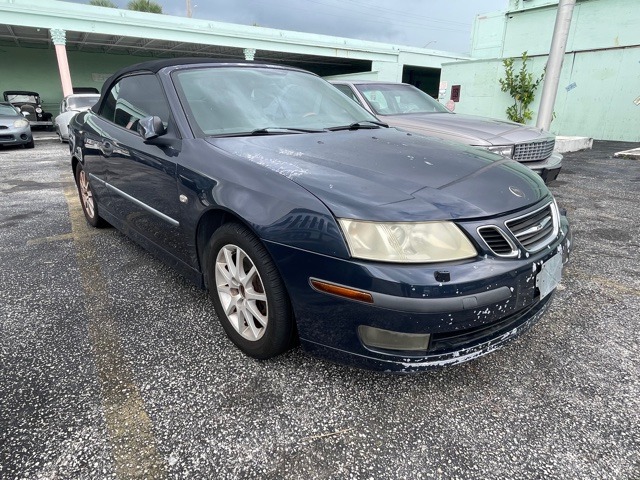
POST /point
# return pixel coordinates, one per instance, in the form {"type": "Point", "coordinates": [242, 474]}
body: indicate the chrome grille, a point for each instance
{"type": "Point", "coordinates": [533, 151]}
{"type": "Point", "coordinates": [497, 241]}
{"type": "Point", "coordinates": [537, 229]}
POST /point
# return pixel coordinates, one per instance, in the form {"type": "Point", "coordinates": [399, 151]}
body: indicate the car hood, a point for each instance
{"type": "Point", "coordinates": [467, 129]}
{"type": "Point", "coordinates": [387, 175]}
{"type": "Point", "coordinates": [8, 120]}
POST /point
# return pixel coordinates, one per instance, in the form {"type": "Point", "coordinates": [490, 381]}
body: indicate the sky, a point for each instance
{"type": "Point", "coordinates": [440, 25]}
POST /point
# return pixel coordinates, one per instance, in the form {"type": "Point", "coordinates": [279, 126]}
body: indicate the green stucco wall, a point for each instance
{"type": "Point", "coordinates": [600, 79]}
{"type": "Point", "coordinates": [37, 69]}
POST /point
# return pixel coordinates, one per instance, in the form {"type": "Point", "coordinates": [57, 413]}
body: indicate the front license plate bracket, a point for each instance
{"type": "Point", "coordinates": [549, 276]}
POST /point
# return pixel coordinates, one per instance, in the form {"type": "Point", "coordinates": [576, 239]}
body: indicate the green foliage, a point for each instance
{"type": "Point", "coordinates": [522, 88]}
{"type": "Point", "coordinates": [103, 3]}
{"type": "Point", "coordinates": [144, 6]}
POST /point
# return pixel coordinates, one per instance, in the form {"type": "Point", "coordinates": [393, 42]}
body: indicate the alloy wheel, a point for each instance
{"type": "Point", "coordinates": [86, 194]}
{"type": "Point", "coordinates": [241, 292]}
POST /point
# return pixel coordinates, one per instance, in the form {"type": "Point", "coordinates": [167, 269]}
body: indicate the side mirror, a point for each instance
{"type": "Point", "coordinates": [151, 127]}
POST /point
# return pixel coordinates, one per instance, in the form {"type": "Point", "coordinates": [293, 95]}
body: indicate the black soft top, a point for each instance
{"type": "Point", "coordinates": [154, 66]}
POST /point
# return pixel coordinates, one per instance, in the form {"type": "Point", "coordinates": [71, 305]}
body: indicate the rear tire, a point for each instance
{"type": "Point", "coordinates": [87, 199]}
{"type": "Point", "coordinates": [248, 294]}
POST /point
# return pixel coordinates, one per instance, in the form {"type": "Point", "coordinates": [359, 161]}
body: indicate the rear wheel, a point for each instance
{"type": "Point", "coordinates": [248, 293]}
{"type": "Point", "coordinates": [87, 199]}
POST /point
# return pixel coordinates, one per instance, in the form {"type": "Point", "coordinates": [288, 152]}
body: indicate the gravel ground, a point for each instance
{"type": "Point", "coordinates": [113, 366]}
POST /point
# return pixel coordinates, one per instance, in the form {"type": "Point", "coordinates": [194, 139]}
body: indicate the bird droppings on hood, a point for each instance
{"type": "Point", "coordinates": [286, 169]}
{"type": "Point", "coordinates": [290, 153]}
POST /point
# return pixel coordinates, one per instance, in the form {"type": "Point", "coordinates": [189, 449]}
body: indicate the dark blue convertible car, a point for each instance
{"type": "Point", "coordinates": [309, 220]}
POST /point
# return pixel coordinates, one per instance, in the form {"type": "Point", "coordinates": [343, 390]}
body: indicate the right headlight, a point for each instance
{"type": "Point", "coordinates": [504, 150]}
{"type": "Point", "coordinates": [21, 123]}
{"type": "Point", "coordinates": [424, 242]}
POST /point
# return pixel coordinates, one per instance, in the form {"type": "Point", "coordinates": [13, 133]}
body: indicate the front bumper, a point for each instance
{"type": "Point", "coordinates": [487, 302]}
{"type": "Point", "coordinates": [15, 136]}
{"type": "Point", "coordinates": [548, 168]}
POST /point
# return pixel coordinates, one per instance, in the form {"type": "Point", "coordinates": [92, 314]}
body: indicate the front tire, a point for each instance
{"type": "Point", "coordinates": [87, 199]}
{"type": "Point", "coordinates": [248, 293]}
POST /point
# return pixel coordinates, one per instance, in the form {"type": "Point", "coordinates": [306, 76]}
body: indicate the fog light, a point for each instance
{"type": "Point", "coordinates": [388, 340]}
{"type": "Point", "coordinates": [24, 136]}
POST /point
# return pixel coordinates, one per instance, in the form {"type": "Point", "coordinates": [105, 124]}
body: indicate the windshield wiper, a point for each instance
{"type": "Point", "coordinates": [359, 125]}
{"type": "Point", "coordinates": [283, 130]}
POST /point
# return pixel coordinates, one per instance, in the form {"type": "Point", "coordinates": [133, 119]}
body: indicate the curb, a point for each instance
{"type": "Point", "coordinates": [633, 154]}
{"type": "Point", "coordinates": [573, 144]}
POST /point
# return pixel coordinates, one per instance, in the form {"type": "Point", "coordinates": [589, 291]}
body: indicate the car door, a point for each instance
{"type": "Point", "coordinates": [141, 177]}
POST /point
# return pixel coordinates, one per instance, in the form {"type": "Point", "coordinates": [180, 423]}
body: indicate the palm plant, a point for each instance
{"type": "Point", "coordinates": [103, 3]}
{"type": "Point", "coordinates": [144, 6]}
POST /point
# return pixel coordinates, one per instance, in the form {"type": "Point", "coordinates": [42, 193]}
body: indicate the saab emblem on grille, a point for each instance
{"type": "Point", "coordinates": [516, 191]}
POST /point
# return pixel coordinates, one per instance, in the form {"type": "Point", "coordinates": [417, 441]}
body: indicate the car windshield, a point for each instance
{"type": "Point", "coordinates": [82, 102]}
{"type": "Point", "coordinates": [396, 99]}
{"type": "Point", "coordinates": [243, 101]}
{"type": "Point", "coordinates": [20, 98]}
{"type": "Point", "coordinates": [7, 110]}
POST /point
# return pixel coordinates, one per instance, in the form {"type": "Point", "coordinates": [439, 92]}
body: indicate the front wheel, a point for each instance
{"type": "Point", "coordinates": [87, 199]}
{"type": "Point", "coordinates": [248, 293]}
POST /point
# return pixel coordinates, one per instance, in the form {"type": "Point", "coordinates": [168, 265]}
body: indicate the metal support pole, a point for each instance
{"type": "Point", "coordinates": [554, 64]}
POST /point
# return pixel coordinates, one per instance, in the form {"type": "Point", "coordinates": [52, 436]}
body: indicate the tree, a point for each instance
{"type": "Point", "coordinates": [144, 6]}
{"type": "Point", "coordinates": [103, 3]}
{"type": "Point", "coordinates": [522, 88]}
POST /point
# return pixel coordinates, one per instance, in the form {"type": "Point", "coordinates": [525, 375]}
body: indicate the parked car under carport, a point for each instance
{"type": "Point", "coordinates": [14, 128]}
{"type": "Point", "coordinates": [70, 106]}
{"type": "Point", "coordinates": [30, 105]}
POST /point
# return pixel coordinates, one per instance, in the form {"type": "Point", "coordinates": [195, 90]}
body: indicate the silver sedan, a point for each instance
{"type": "Point", "coordinates": [405, 107]}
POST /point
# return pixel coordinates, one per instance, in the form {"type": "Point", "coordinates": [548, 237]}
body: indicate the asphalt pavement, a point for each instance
{"type": "Point", "coordinates": [114, 366]}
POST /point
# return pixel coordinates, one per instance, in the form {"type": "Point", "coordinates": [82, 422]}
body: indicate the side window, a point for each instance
{"type": "Point", "coordinates": [133, 98]}
{"type": "Point", "coordinates": [346, 89]}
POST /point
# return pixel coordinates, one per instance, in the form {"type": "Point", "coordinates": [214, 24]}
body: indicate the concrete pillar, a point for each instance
{"type": "Point", "coordinates": [249, 54]}
{"type": "Point", "coordinates": [59, 38]}
{"type": "Point", "coordinates": [388, 71]}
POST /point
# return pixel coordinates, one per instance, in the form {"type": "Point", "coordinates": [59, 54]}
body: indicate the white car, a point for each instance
{"type": "Point", "coordinates": [69, 107]}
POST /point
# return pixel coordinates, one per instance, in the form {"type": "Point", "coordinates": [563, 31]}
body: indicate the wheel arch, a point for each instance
{"type": "Point", "coordinates": [209, 222]}
{"type": "Point", "coordinates": [74, 165]}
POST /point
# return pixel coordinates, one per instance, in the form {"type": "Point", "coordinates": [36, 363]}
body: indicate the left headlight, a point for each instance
{"type": "Point", "coordinates": [20, 123]}
{"type": "Point", "coordinates": [504, 150]}
{"type": "Point", "coordinates": [39, 110]}
{"type": "Point", "coordinates": [406, 242]}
